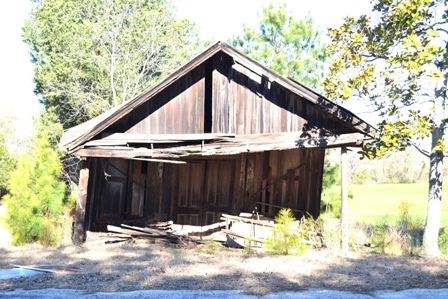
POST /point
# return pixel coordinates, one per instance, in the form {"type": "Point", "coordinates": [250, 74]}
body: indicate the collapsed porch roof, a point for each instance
{"type": "Point", "coordinates": [175, 147]}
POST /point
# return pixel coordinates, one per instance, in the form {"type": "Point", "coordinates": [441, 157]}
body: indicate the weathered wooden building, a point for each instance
{"type": "Point", "coordinates": [222, 134]}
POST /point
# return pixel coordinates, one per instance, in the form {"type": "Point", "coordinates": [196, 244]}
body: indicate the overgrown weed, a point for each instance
{"type": "Point", "coordinates": [211, 247]}
{"type": "Point", "coordinates": [404, 237]}
{"type": "Point", "coordinates": [291, 237]}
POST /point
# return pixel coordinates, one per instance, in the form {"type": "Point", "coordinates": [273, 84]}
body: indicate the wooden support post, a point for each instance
{"type": "Point", "coordinates": [79, 232]}
{"type": "Point", "coordinates": [344, 199]}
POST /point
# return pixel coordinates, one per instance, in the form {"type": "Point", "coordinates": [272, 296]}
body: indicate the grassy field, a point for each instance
{"type": "Point", "coordinates": [374, 203]}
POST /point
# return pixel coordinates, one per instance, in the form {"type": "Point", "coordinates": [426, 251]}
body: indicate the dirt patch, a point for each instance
{"type": "Point", "coordinates": [110, 268]}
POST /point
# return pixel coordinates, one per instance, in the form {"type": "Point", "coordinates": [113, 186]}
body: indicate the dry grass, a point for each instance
{"type": "Point", "coordinates": [124, 267]}
{"type": "Point", "coordinates": [112, 268]}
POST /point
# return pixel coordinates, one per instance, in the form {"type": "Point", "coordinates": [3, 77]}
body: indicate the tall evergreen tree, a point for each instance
{"type": "Point", "coordinates": [36, 192]}
{"type": "Point", "coordinates": [291, 47]}
{"type": "Point", "coordinates": [92, 55]}
{"type": "Point", "coordinates": [7, 160]}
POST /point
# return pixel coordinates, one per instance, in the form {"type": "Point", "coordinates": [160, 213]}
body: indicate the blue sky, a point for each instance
{"type": "Point", "coordinates": [218, 20]}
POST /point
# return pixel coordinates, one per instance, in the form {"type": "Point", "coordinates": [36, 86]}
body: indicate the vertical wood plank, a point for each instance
{"type": "Point", "coordinates": [141, 207]}
{"type": "Point", "coordinates": [320, 168]}
{"type": "Point", "coordinates": [79, 236]}
{"type": "Point", "coordinates": [199, 117]}
{"type": "Point", "coordinates": [170, 190]}
{"type": "Point", "coordinates": [155, 182]}
{"type": "Point", "coordinates": [240, 183]}
{"type": "Point", "coordinates": [96, 198]}
{"type": "Point", "coordinates": [216, 100]}
{"type": "Point", "coordinates": [137, 190]}
{"type": "Point", "coordinates": [344, 199]}
{"type": "Point", "coordinates": [231, 100]}
{"type": "Point", "coordinates": [91, 196]}
{"type": "Point", "coordinates": [212, 182]}
{"type": "Point", "coordinates": [248, 203]}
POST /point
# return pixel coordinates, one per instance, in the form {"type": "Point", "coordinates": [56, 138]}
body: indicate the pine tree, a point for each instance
{"type": "Point", "coordinates": [292, 47]}
{"type": "Point", "coordinates": [36, 198]}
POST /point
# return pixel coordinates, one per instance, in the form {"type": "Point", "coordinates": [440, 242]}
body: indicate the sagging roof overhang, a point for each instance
{"type": "Point", "coordinates": [172, 148]}
{"type": "Point", "coordinates": [78, 140]}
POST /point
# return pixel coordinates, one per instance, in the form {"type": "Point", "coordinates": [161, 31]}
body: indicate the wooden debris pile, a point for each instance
{"type": "Point", "coordinates": [243, 231]}
{"type": "Point", "coordinates": [138, 235]}
{"type": "Point", "coordinates": [162, 226]}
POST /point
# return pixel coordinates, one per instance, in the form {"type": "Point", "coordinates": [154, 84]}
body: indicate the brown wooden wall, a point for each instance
{"type": "Point", "coordinates": [197, 193]}
{"type": "Point", "coordinates": [221, 96]}
{"type": "Point", "coordinates": [178, 109]}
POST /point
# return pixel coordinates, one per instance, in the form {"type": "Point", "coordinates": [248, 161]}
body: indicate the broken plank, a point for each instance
{"type": "Point", "coordinates": [161, 225]}
{"type": "Point", "coordinates": [249, 238]}
{"type": "Point", "coordinates": [159, 160]}
{"type": "Point", "coordinates": [34, 269]}
{"type": "Point", "coordinates": [246, 220]}
{"type": "Point", "coordinates": [115, 235]}
{"type": "Point", "coordinates": [195, 229]}
{"type": "Point", "coordinates": [57, 267]}
{"type": "Point", "coordinates": [130, 232]}
{"type": "Point", "coordinates": [165, 137]}
{"type": "Point", "coordinates": [154, 233]}
{"type": "Point", "coordinates": [146, 230]}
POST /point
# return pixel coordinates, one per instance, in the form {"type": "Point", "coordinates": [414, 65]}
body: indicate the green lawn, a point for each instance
{"type": "Point", "coordinates": [372, 203]}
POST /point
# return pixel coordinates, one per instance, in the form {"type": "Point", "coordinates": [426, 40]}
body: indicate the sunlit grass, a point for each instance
{"type": "Point", "coordinates": [375, 202]}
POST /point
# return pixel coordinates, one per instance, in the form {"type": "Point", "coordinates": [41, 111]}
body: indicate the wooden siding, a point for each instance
{"type": "Point", "coordinates": [199, 192]}
{"type": "Point", "coordinates": [177, 110]}
{"type": "Point", "coordinates": [220, 96]}
{"type": "Point", "coordinates": [191, 100]}
{"type": "Point", "coordinates": [245, 102]}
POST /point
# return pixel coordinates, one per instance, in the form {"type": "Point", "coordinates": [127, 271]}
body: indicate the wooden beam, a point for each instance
{"type": "Point", "coordinates": [246, 220]}
{"type": "Point", "coordinates": [165, 137]}
{"type": "Point", "coordinates": [235, 234]}
{"type": "Point", "coordinates": [344, 199]}
{"type": "Point", "coordinates": [125, 153]}
{"type": "Point", "coordinates": [279, 207]}
{"type": "Point", "coordinates": [160, 160]}
{"type": "Point", "coordinates": [228, 146]}
{"type": "Point", "coordinates": [79, 232]}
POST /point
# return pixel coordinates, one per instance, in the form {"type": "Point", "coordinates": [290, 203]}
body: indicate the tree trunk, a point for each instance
{"type": "Point", "coordinates": [430, 244]}
{"type": "Point", "coordinates": [344, 199]}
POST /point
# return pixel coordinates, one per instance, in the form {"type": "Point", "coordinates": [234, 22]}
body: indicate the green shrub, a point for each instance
{"type": "Point", "coordinates": [36, 199]}
{"type": "Point", "coordinates": [7, 164]}
{"type": "Point", "coordinates": [286, 237]}
{"type": "Point", "coordinates": [443, 241]}
{"type": "Point", "coordinates": [360, 178]}
{"type": "Point", "coordinates": [402, 238]}
{"type": "Point", "coordinates": [331, 201]}
{"type": "Point", "coordinates": [385, 238]}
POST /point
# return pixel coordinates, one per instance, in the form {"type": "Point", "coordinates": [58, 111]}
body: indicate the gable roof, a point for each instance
{"type": "Point", "coordinates": [78, 135]}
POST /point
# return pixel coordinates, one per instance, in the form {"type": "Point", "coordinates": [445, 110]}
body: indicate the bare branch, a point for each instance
{"type": "Point", "coordinates": [418, 148]}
